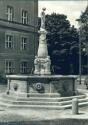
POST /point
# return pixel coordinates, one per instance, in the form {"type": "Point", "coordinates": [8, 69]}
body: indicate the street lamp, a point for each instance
{"type": "Point", "coordinates": [80, 50]}
{"type": "Point", "coordinates": [80, 61]}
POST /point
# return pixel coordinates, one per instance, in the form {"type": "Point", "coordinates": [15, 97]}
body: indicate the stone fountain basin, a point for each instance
{"type": "Point", "coordinates": [43, 84]}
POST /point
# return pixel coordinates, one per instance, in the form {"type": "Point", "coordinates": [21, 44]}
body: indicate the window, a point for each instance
{"type": "Point", "coordinates": [9, 66]}
{"type": "Point", "coordinates": [9, 41]}
{"type": "Point", "coordinates": [24, 17]}
{"type": "Point", "coordinates": [24, 67]}
{"type": "Point", "coordinates": [24, 43]}
{"type": "Point", "coordinates": [9, 13]}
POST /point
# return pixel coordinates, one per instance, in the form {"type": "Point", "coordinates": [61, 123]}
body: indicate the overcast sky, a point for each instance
{"type": "Point", "coordinates": [71, 8]}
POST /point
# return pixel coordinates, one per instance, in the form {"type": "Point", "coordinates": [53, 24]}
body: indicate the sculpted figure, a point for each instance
{"type": "Point", "coordinates": [43, 18]}
{"type": "Point", "coordinates": [36, 66]}
{"type": "Point", "coordinates": [47, 65]}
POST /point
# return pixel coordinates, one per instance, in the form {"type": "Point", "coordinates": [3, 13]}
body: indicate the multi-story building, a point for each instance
{"type": "Point", "coordinates": [18, 35]}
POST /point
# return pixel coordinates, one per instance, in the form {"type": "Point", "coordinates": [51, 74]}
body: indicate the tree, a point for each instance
{"type": "Point", "coordinates": [62, 39]}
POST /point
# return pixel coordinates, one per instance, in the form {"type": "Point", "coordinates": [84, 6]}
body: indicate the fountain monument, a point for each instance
{"type": "Point", "coordinates": [42, 82]}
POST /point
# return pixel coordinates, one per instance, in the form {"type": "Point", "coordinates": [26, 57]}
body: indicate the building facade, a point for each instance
{"type": "Point", "coordinates": [18, 35]}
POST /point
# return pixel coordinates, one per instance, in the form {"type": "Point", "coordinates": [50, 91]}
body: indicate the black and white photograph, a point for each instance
{"type": "Point", "coordinates": [43, 62]}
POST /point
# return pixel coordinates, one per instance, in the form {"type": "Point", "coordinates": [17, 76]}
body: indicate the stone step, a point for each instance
{"type": "Point", "coordinates": [70, 101]}
{"type": "Point", "coordinates": [6, 106]}
{"type": "Point", "coordinates": [38, 107]}
{"type": "Point", "coordinates": [60, 99]}
{"type": "Point", "coordinates": [31, 96]}
{"type": "Point", "coordinates": [29, 99]}
{"type": "Point", "coordinates": [47, 95]}
{"type": "Point", "coordinates": [8, 101]}
{"type": "Point", "coordinates": [51, 107]}
{"type": "Point", "coordinates": [45, 103]}
{"type": "Point", "coordinates": [3, 105]}
{"type": "Point", "coordinates": [81, 104]}
{"type": "Point", "coordinates": [39, 102]}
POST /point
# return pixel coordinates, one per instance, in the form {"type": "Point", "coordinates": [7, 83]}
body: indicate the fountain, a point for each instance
{"type": "Point", "coordinates": [42, 82]}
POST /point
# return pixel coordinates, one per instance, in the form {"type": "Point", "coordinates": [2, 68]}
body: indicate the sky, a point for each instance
{"type": "Point", "coordinates": [71, 8]}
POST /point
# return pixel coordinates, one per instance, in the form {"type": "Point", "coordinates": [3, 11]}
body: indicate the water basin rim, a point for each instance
{"type": "Point", "coordinates": [40, 76]}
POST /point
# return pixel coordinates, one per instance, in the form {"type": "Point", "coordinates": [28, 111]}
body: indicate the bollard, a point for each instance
{"type": "Point", "coordinates": [74, 106]}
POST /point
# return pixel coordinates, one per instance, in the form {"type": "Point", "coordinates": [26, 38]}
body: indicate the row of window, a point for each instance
{"type": "Point", "coordinates": [9, 42]}
{"type": "Point", "coordinates": [10, 15]}
{"type": "Point", "coordinates": [10, 67]}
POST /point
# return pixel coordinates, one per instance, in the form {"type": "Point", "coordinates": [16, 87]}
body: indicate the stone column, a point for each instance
{"type": "Point", "coordinates": [42, 61]}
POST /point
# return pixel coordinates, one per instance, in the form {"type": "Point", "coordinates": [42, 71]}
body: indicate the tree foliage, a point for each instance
{"type": "Point", "coordinates": [62, 39]}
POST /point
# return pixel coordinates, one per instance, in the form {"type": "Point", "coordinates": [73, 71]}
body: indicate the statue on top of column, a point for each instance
{"type": "Point", "coordinates": [42, 61]}
{"type": "Point", "coordinates": [43, 18]}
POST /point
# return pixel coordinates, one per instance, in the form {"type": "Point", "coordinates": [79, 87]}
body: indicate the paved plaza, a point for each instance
{"type": "Point", "coordinates": [42, 117]}
{"type": "Point", "coordinates": [35, 117]}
